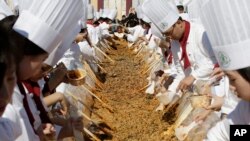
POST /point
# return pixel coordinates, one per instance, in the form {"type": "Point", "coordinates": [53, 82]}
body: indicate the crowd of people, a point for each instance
{"type": "Point", "coordinates": [202, 41]}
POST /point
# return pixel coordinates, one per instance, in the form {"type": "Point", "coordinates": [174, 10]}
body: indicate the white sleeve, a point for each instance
{"type": "Point", "coordinates": [104, 29]}
{"type": "Point", "coordinates": [219, 90]}
{"type": "Point", "coordinates": [6, 130]}
{"type": "Point", "coordinates": [176, 61]}
{"type": "Point", "coordinates": [206, 60]}
{"type": "Point", "coordinates": [137, 33]}
{"type": "Point", "coordinates": [11, 115]}
{"type": "Point", "coordinates": [131, 29]}
{"type": "Point", "coordinates": [220, 132]}
{"type": "Point", "coordinates": [240, 116]}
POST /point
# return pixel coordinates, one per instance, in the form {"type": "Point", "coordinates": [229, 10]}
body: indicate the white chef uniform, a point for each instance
{"type": "Point", "coordinates": [230, 98]}
{"type": "Point", "coordinates": [19, 115]}
{"type": "Point", "coordinates": [230, 41]}
{"type": "Point", "coordinates": [8, 129]}
{"type": "Point", "coordinates": [135, 33]}
{"type": "Point", "coordinates": [46, 30]}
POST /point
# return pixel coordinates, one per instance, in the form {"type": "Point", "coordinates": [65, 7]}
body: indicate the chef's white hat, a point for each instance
{"type": "Point", "coordinates": [100, 12]}
{"type": "Point", "coordinates": [90, 12]}
{"type": "Point", "coordinates": [24, 4]}
{"type": "Point", "coordinates": [162, 13]}
{"type": "Point", "coordinates": [194, 10]}
{"type": "Point", "coordinates": [46, 22]}
{"type": "Point", "coordinates": [186, 2]}
{"type": "Point", "coordinates": [83, 23]}
{"type": "Point", "coordinates": [105, 13]}
{"type": "Point", "coordinates": [139, 12]}
{"type": "Point", "coordinates": [155, 31]}
{"type": "Point", "coordinates": [178, 3]}
{"type": "Point", "coordinates": [58, 53]}
{"type": "Point", "coordinates": [4, 10]}
{"type": "Point", "coordinates": [146, 19]}
{"type": "Point", "coordinates": [97, 15]}
{"type": "Point", "coordinates": [83, 20]}
{"type": "Point", "coordinates": [112, 14]}
{"type": "Point", "coordinates": [184, 16]}
{"type": "Point", "coordinates": [227, 24]}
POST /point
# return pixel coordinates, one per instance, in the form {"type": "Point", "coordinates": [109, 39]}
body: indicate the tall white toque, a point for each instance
{"type": "Point", "coordinates": [139, 12]}
{"type": "Point", "coordinates": [227, 24]}
{"type": "Point", "coordinates": [112, 14]}
{"type": "Point", "coordinates": [90, 12]}
{"type": "Point", "coordinates": [47, 22]}
{"type": "Point", "coordinates": [162, 13]}
{"type": "Point", "coordinates": [58, 53]}
{"type": "Point", "coordinates": [105, 13]}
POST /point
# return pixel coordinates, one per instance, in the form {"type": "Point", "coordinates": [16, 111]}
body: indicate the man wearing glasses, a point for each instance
{"type": "Point", "coordinates": [190, 47]}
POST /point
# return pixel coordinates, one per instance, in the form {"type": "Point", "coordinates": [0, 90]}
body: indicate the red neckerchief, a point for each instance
{"type": "Point", "coordinates": [170, 58]}
{"type": "Point", "coordinates": [183, 43]}
{"type": "Point", "coordinates": [26, 105]}
{"type": "Point", "coordinates": [216, 65]}
{"type": "Point", "coordinates": [34, 88]}
{"type": "Point", "coordinates": [89, 22]}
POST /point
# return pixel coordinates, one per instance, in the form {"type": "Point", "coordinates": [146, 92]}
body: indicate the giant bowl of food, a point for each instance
{"type": "Point", "coordinates": [76, 77]}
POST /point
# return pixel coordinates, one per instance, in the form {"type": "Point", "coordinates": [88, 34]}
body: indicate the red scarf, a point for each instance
{"type": "Point", "coordinates": [183, 43]}
{"type": "Point", "coordinates": [34, 88]}
{"type": "Point", "coordinates": [89, 22]}
{"type": "Point", "coordinates": [216, 65]}
{"type": "Point", "coordinates": [170, 58]}
{"type": "Point", "coordinates": [26, 105]}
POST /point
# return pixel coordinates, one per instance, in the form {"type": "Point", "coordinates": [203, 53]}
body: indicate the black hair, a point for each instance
{"type": "Point", "coordinates": [245, 73]}
{"type": "Point", "coordinates": [180, 7]}
{"type": "Point", "coordinates": [6, 56]}
{"type": "Point", "coordinates": [17, 41]}
{"type": "Point", "coordinates": [96, 23]}
{"type": "Point", "coordinates": [145, 23]}
{"type": "Point", "coordinates": [83, 30]}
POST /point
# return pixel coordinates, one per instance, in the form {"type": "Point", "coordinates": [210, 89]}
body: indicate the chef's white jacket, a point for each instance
{"type": "Point", "coordinates": [16, 113]}
{"type": "Point", "coordinates": [199, 52]}
{"type": "Point", "coordinates": [136, 32]}
{"type": "Point", "coordinates": [239, 116]}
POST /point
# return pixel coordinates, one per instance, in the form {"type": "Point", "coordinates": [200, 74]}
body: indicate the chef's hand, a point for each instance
{"type": "Point", "coordinates": [162, 43]}
{"type": "Point", "coordinates": [77, 123]}
{"type": "Point", "coordinates": [201, 116]}
{"type": "Point", "coordinates": [64, 104]}
{"type": "Point", "coordinates": [217, 73]}
{"type": "Point", "coordinates": [49, 129]}
{"type": "Point", "coordinates": [217, 103]}
{"type": "Point", "coordinates": [185, 83]}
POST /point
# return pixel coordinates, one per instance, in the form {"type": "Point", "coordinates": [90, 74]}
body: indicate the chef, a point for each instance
{"type": "Point", "coordinates": [42, 35]}
{"type": "Point", "coordinates": [230, 44]}
{"type": "Point", "coordinates": [193, 57]}
{"type": "Point", "coordinates": [93, 30]}
{"type": "Point", "coordinates": [181, 10]}
{"type": "Point", "coordinates": [8, 62]}
{"type": "Point", "coordinates": [108, 16]}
